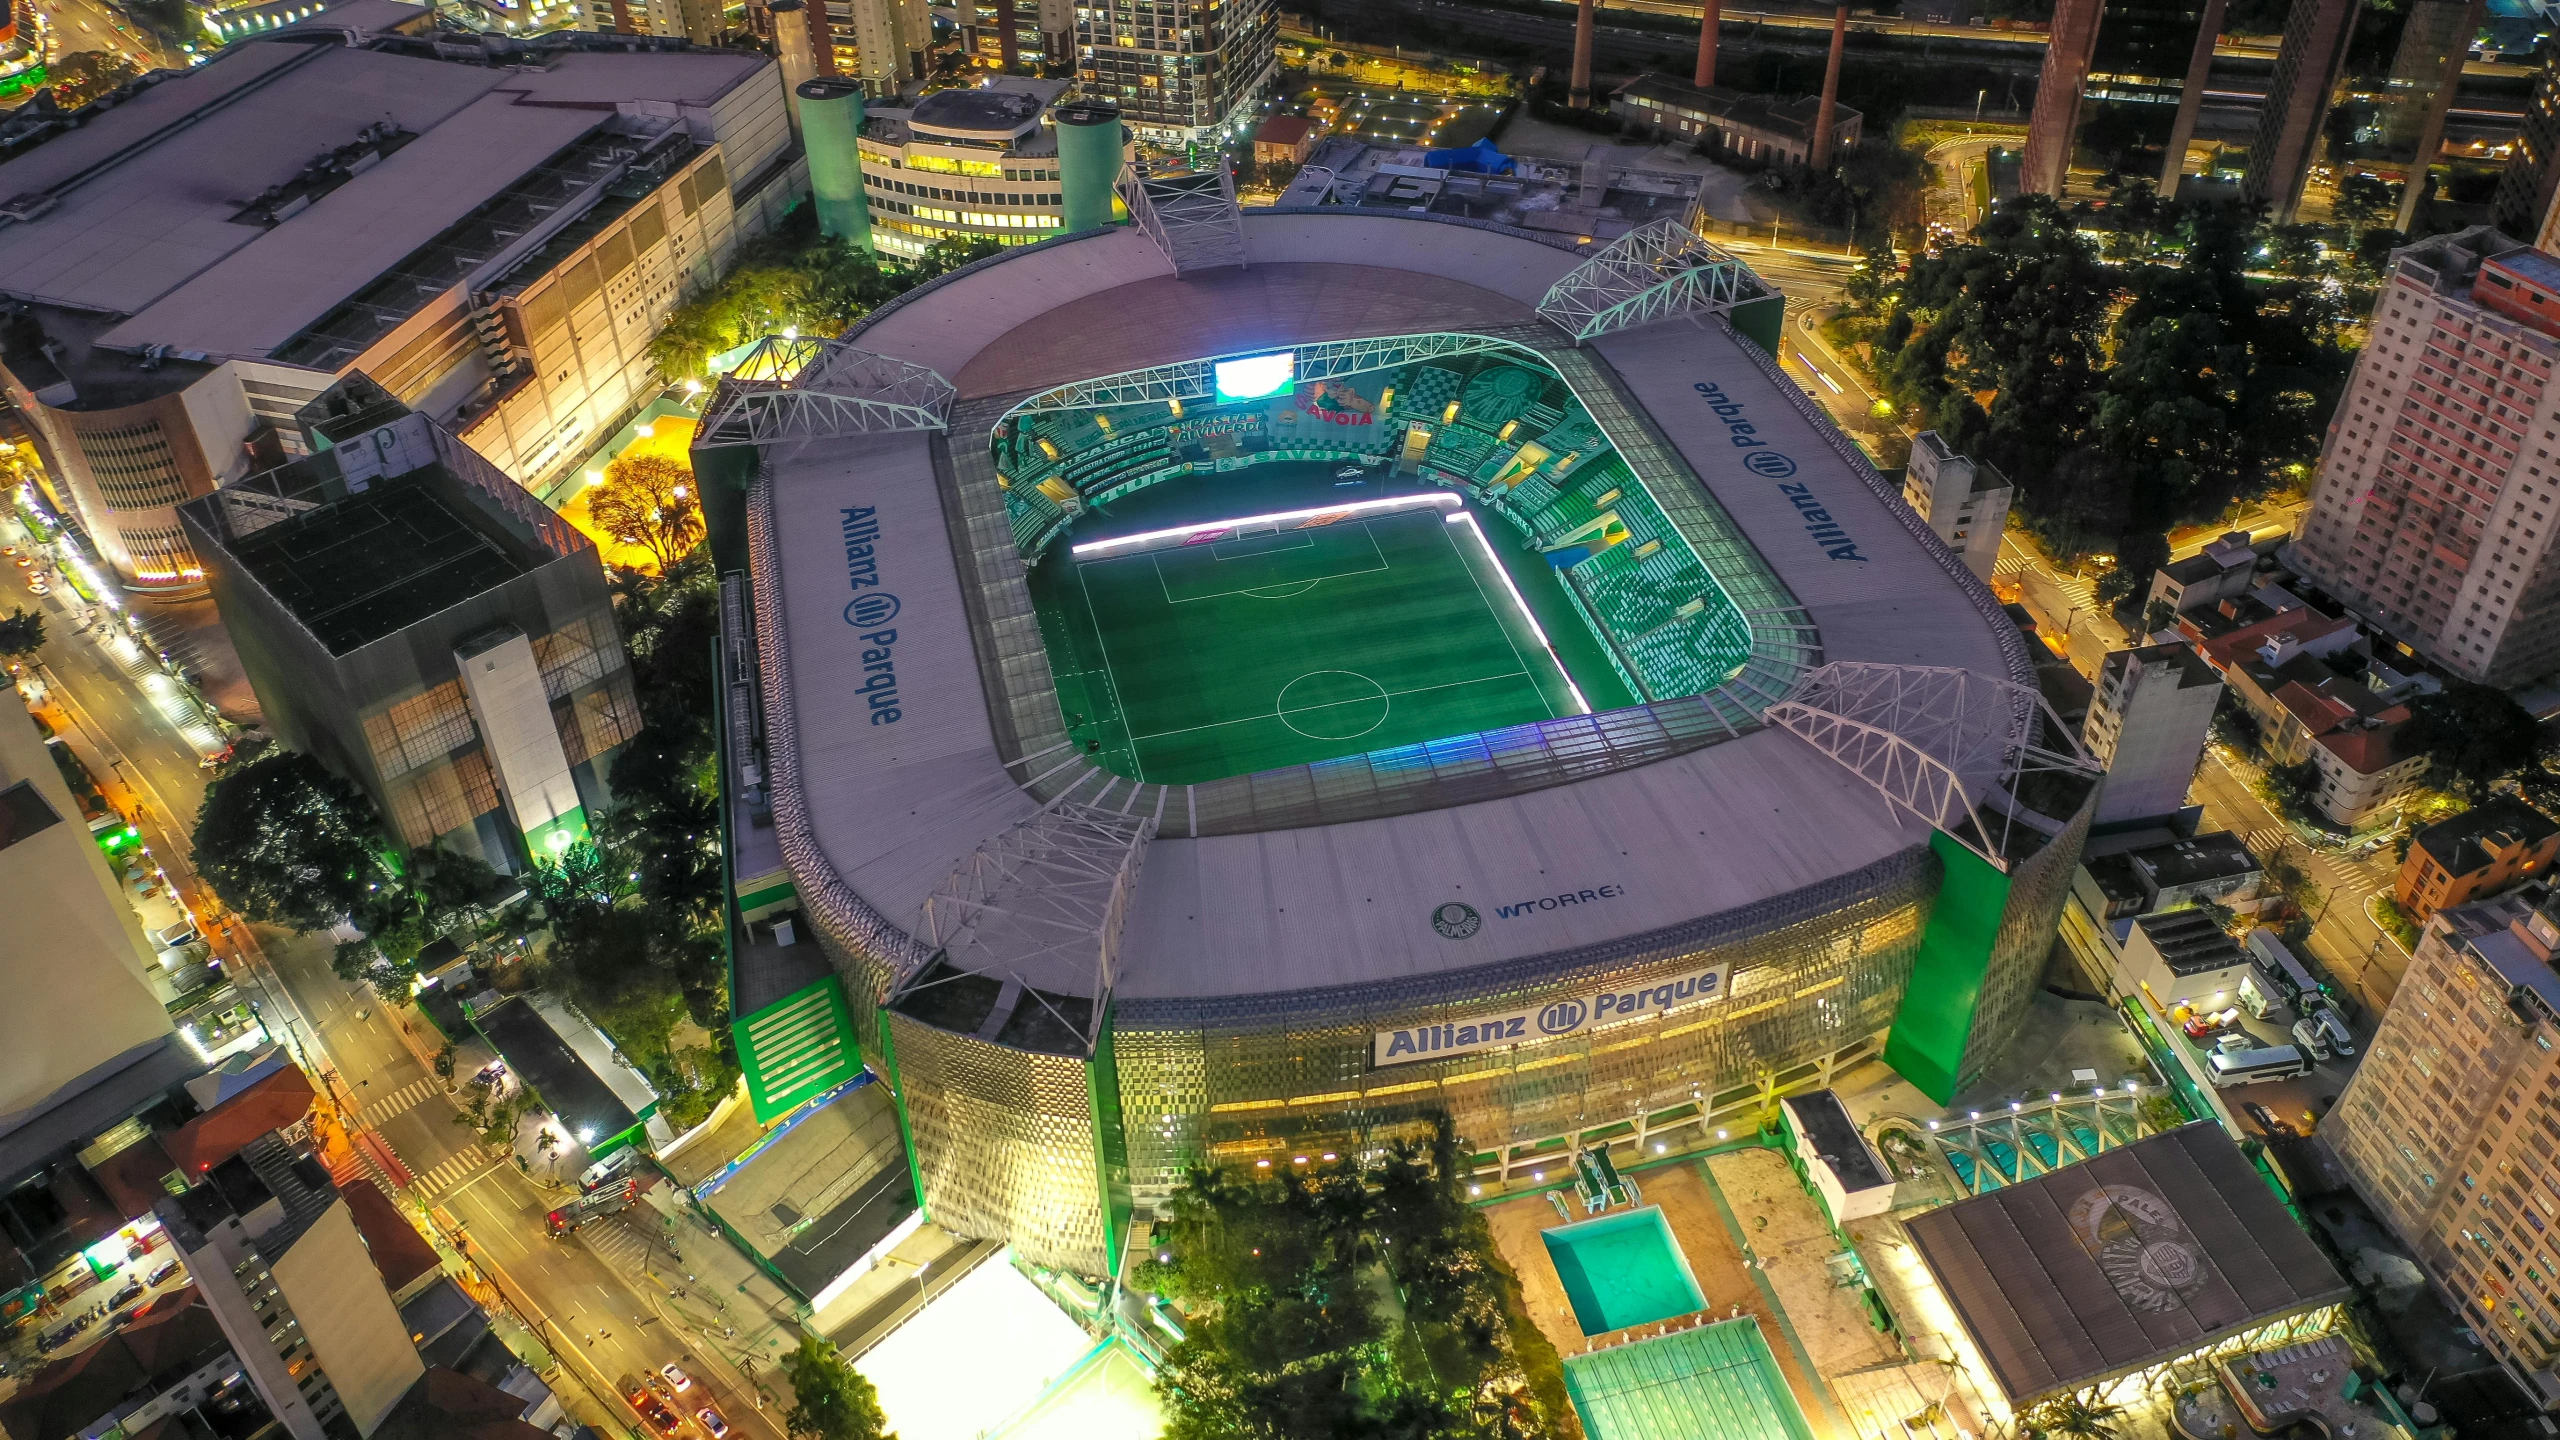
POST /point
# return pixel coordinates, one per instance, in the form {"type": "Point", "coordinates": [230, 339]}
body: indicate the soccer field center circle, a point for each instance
{"type": "Point", "coordinates": [1333, 705]}
{"type": "Point", "coordinates": [1104, 906]}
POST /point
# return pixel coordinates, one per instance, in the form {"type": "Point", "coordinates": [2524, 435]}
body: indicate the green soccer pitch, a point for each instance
{"type": "Point", "coordinates": [1284, 646]}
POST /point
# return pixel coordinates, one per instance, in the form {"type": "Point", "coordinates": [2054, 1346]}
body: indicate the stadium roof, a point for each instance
{"type": "Point", "coordinates": [895, 808]}
{"type": "Point", "coordinates": [2127, 1259]}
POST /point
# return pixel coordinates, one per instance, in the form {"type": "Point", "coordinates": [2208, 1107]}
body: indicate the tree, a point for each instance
{"type": "Point", "coordinates": [2076, 1417]}
{"type": "Point", "coordinates": [946, 255]}
{"type": "Point", "coordinates": [831, 1399]}
{"type": "Point", "coordinates": [84, 75]}
{"type": "Point", "coordinates": [2473, 737]}
{"type": "Point", "coordinates": [2363, 199]}
{"type": "Point", "coordinates": [2294, 788]}
{"type": "Point", "coordinates": [649, 501]}
{"type": "Point", "coordinates": [284, 842]}
{"type": "Point", "coordinates": [2157, 616]}
{"type": "Point", "coordinates": [21, 633]}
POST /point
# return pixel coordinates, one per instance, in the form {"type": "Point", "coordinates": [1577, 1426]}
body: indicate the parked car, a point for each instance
{"type": "Point", "coordinates": [162, 1271]}
{"type": "Point", "coordinates": [676, 1379]}
{"type": "Point", "coordinates": [133, 1291]}
{"type": "Point", "coordinates": [712, 1422]}
{"type": "Point", "coordinates": [2266, 1119]}
{"type": "Point", "coordinates": [655, 1411]}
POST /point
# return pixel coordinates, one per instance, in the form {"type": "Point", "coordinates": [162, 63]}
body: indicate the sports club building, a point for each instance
{"type": "Point", "coordinates": [1768, 794]}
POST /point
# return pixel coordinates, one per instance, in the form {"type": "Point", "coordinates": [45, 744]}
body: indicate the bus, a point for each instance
{"type": "Point", "coordinates": [2280, 975]}
{"type": "Point", "coordinates": [2248, 1067]}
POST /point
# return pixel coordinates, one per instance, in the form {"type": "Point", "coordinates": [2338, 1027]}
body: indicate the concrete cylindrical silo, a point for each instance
{"type": "Point", "coordinates": [1088, 161]}
{"type": "Point", "coordinates": [830, 121]}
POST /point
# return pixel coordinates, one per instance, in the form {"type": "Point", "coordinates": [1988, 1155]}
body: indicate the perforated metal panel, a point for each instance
{"type": "Point", "coordinates": [1812, 973]}
{"type": "Point", "coordinates": [1005, 1146]}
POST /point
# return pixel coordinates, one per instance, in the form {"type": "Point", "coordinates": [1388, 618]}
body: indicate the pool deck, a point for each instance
{"type": "Point", "coordinates": [1710, 1242]}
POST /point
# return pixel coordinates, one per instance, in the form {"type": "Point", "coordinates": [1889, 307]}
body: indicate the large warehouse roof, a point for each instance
{"type": "Point", "coordinates": [2133, 1257]}
{"type": "Point", "coordinates": [148, 219]}
{"type": "Point", "coordinates": [894, 808]}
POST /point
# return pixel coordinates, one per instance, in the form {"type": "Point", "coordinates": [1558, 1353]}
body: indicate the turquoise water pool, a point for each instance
{"type": "Point", "coordinates": [1622, 1270]}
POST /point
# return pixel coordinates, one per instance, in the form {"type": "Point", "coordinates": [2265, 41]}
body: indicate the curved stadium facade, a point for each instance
{"type": "Point", "coordinates": [1243, 713]}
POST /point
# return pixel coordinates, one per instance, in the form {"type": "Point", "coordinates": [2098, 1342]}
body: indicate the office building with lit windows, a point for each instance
{"type": "Point", "coordinates": [428, 630]}
{"type": "Point", "coordinates": [2433, 515]}
{"type": "Point", "coordinates": [1180, 70]}
{"type": "Point", "coordinates": [493, 230]}
{"type": "Point", "coordinates": [2449, 1127]}
{"type": "Point", "coordinates": [968, 164]}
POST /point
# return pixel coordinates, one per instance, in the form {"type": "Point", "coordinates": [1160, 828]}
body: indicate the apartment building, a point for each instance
{"type": "Point", "coordinates": [279, 1261]}
{"type": "Point", "coordinates": [2475, 855]}
{"type": "Point", "coordinates": [2450, 1129]}
{"type": "Point", "coordinates": [2527, 201]}
{"type": "Point", "coordinates": [2148, 724]}
{"type": "Point", "coordinates": [1180, 70]}
{"type": "Point", "coordinates": [2433, 514]}
{"type": "Point", "coordinates": [1965, 502]}
{"type": "Point", "coordinates": [494, 230]}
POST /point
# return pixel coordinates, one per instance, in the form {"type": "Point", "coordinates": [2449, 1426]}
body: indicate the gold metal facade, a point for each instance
{"type": "Point", "coordinates": [1276, 1076]}
{"type": "Point", "coordinates": [1004, 1143]}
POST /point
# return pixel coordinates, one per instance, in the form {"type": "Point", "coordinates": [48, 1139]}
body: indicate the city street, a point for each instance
{"type": "Point", "coordinates": [593, 1298]}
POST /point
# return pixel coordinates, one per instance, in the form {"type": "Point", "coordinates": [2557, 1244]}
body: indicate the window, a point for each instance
{"type": "Point", "coordinates": [133, 465]}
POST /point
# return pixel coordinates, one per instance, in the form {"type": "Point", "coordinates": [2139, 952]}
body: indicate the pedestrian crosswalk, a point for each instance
{"type": "Point", "coordinates": [619, 1240]}
{"type": "Point", "coordinates": [459, 1170]}
{"type": "Point", "coordinates": [381, 1108]}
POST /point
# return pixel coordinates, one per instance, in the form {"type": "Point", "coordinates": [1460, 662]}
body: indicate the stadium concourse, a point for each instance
{"type": "Point", "coordinates": [1244, 712]}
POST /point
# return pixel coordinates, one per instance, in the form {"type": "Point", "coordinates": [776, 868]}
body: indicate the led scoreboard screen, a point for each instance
{"type": "Point", "coordinates": [1256, 377]}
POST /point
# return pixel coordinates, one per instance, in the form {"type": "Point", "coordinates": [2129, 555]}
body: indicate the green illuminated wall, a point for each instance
{"type": "Point", "coordinates": [1927, 1045]}
{"type": "Point", "coordinates": [797, 1048]}
{"type": "Point", "coordinates": [1760, 321]}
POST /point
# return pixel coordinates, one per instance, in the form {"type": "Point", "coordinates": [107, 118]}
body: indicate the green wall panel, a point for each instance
{"type": "Point", "coordinates": [1927, 1044]}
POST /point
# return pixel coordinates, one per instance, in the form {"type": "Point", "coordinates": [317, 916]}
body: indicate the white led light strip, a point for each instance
{"type": "Point", "coordinates": [1438, 499]}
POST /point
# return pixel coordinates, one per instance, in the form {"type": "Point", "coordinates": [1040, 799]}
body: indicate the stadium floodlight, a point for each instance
{"type": "Point", "coordinates": [1257, 377]}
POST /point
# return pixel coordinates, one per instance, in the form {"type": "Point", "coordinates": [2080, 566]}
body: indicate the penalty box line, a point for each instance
{"type": "Point", "coordinates": [1156, 558]}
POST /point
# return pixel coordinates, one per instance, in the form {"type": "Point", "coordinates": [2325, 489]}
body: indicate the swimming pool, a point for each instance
{"type": "Point", "coordinates": [1622, 1270]}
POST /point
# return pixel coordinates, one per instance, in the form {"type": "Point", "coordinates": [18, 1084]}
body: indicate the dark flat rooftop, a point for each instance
{"type": "Point", "coordinates": [998, 112]}
{"type": "Point", "coordinates": [376, 562]}
{"type": "Point", "coordinates": [2125, 1260]}
{"type": "Point", "coordinates": [531, 1048]}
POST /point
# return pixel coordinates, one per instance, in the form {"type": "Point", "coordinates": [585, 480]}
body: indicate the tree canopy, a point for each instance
{"type": "Point", "coordinates": [21, 633]}
{"type": "Point", "coordinates": [830, 1399]}
{"type": "Point", "coordinates": [2473, 737]}
{"type": "Point", "coordinates": [1346, 1299]}
{"type": "Point", "coordinates": [2122, 397]}
{"type": "Point", "coordinates": [652, 502]}
{"type": "Point", "coordinates": [284, 842]}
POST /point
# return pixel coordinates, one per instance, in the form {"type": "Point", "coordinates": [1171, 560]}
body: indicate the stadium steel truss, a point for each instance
{"type": "Point", "coordinates": [1958, 749]}
{"type": "Point", "coordinates": [1192, 218]}
{"type": "Point", "coordinates": [1044, 899]}
{"type": "Point", "coordinates": [1653, 272]}
{"type": "Point", "coordinates": [1197, 379]}
{"type": "Point", "coordinates": [822, 390]}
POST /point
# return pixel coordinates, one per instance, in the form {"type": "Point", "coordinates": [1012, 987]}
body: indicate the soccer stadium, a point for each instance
{"type": "Point", "coordinates": [1235, 686]}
